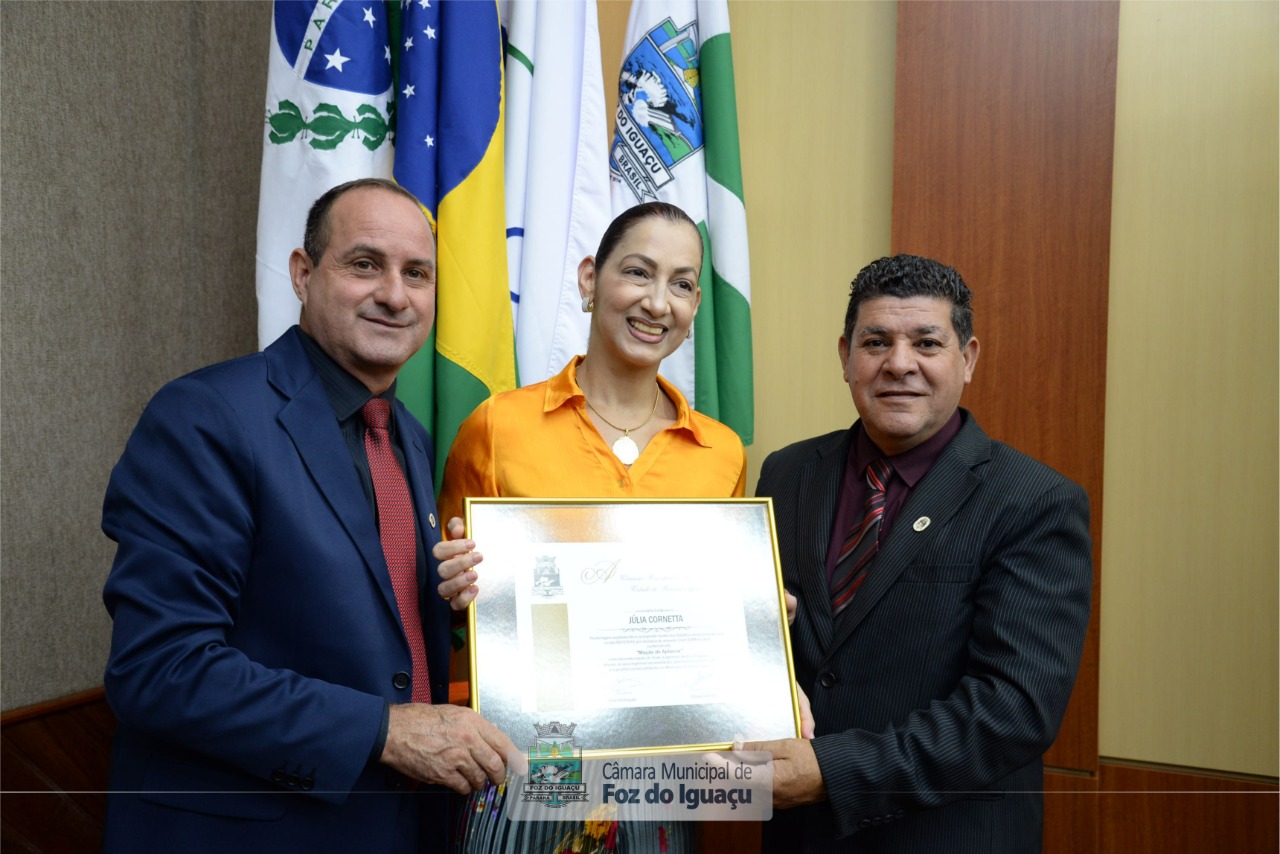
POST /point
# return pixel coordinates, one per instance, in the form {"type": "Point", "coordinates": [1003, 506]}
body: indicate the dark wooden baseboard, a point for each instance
{"type": "Point", "coordinates": [1173, 811]}
{"type": "Point", "coordinates": [1070, 813]}
{"type": "Point", "coordinates": [1132, 808]}
{"type": "Point", "coordinates": [54, 759]}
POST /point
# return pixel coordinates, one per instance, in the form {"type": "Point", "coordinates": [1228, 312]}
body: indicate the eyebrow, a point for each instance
{"type": "Point", "coordinates": [369, 249]}
{"type": "Point", "coordinates": [363, 249]}
{"type": "Point", "coordinates": [652, 263]}
{"type": "Point", "coordinates": [919, 330]}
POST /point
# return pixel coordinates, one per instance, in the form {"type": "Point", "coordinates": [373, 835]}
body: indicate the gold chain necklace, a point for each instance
{"type": "Point", "coordinates": [625, 448]}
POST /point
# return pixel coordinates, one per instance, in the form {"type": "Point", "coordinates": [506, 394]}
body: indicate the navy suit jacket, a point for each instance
{"type": "Point", "coordinates": [937, 690]}
{"type": "Point", "coordinates": [256, 635]}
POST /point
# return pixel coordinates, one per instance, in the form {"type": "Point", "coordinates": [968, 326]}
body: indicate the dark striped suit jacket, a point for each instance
{"type": "Point", "coordinates": [938, 689]}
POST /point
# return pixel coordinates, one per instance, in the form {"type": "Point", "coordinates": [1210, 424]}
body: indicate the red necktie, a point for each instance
{"type": "Point", "coordinates": [398, 534]}
{"type": "Point", "coordinates": [863, 539]}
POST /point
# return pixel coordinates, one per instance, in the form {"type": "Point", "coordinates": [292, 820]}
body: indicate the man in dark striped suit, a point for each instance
{"type": "Point", "coordinates": [943, 581]}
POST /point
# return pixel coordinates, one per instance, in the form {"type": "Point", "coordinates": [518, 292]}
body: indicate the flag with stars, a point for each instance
{"type": "Point", "coordinates": [328, 120]}
{"type": "Point", "coordinates": [346, 77]}
{"type": "Point", "coordinates": [449, 153]}
{"type": "Point", "coordinates": [676, 140]}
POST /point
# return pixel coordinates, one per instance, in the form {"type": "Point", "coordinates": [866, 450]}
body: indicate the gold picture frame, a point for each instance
{"type": "Point", "coordinates": [638, 626]}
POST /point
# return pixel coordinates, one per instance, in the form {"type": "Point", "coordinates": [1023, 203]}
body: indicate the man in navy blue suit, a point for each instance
{"type": "Point", "coordinates": [261, 664]}
{"type": "Point", "coordinates": [943, 581]}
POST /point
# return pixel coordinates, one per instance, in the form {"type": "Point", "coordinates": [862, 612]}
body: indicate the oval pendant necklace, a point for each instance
{"type": "Point", "coordinates": [625, 448]}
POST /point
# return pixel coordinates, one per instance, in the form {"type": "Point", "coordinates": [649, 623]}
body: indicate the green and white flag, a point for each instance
{"type": "Point", "coordinates": [328, 120]}
{"type": "Point", "coordinates": [676, 140]}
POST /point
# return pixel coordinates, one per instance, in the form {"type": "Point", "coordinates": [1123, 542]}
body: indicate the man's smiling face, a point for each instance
{"type": "Point", "coordinates": [369, 301]}
{"type": "Point", "coordinates": [906, 369]}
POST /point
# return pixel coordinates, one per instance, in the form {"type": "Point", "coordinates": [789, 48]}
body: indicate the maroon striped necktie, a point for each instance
{"type": "Point", "coordinates": [398, 533]}
{"type": "Point", "coordinates": [863, 540]}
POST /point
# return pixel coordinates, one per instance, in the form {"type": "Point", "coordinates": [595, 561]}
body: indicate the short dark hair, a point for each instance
{"type": "Point", "coordinates": [906, 276]}
{"type": "Point", "coordinates": [624, 222]}
{"type": "Point", "coordinates": [315, 240]}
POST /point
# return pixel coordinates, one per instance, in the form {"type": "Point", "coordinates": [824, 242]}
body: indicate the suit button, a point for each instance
{"type": "Point", "coordinates": [899, 814]}
{"type": "Point", "coordinates": [865, 823]}
{"type": "Point", "coordinates": [277, 776]}
{"type": "Point", "coordinates": [877, 821]}
{"type": "Point", "coordinates": [294, 781]}
{"type": "Point", "coordinates": [827, 680]}
{"type": "Point", "coordinates": [308, 784]}
{"type": "Point", "coordinates": [400, 680]}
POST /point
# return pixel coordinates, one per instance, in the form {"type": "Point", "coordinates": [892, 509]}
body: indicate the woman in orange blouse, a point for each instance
{"type": "Point", "coordinates": [607, 426]}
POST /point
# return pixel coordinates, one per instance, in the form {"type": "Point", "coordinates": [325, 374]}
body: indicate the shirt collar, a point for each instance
{"type": "Point", "coordinates": [563, 389]}
{"type": "Point", "coordinates": [346, 393]}
{"type": "Point", "coordinates": [910, 465]}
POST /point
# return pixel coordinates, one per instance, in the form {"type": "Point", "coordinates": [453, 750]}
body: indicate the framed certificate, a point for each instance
{"type": "Point", "coordinates": [630, 626]}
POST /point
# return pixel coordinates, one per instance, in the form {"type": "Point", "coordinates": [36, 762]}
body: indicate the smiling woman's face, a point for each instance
{"type": "Point", "coordinates": [646, 291]}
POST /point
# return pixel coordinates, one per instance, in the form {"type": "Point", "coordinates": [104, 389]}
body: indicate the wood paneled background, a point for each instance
{"type": "Point", "coordinates": [1002, 168]}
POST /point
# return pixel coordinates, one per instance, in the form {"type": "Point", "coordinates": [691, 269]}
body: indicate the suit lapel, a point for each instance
{"type": "Point", "coordinates": [308, 419]}
{"type": "Point", "coordinates": [820, 487]}
{"type": "Point", "coordinates": [939, 496]}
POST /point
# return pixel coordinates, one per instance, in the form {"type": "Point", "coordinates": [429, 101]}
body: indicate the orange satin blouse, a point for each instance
{"type": "Point", "coordinates": [539, 442]}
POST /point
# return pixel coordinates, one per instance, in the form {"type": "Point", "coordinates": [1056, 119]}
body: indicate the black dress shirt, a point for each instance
{"type": "Point", "coordinates": [909, 468]}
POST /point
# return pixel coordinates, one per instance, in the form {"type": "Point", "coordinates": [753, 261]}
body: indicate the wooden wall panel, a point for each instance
{"type": "Point", "coordinates": [1070, 813]}
{"type": "Point", "coordinates": [1171, 812]}
{"type": "Point", "coordinates": [1002, 168]}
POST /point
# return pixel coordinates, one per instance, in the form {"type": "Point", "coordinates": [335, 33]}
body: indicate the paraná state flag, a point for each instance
{"type": "Point", "coordinates": [328, 121]}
